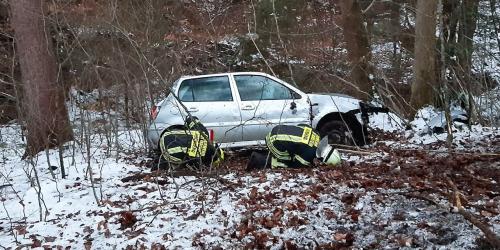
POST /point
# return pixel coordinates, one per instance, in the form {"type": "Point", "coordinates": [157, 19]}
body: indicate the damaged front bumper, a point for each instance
{"type": "Point", "coordinates": [366, 109]}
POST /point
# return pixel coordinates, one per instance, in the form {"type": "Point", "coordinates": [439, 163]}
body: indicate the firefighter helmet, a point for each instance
{"type": "Point", "coordinates": [327, 153]}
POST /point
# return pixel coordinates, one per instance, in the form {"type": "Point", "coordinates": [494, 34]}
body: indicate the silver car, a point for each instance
{"type": "Point", "coordinates": [240, 109]}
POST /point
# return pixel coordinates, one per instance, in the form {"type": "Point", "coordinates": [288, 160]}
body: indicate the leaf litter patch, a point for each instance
{"type": "Point", "coordinates": [391, 194]}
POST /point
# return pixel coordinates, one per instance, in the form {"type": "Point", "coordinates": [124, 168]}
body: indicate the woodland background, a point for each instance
{"type": "Point", "coordinates": [404, 54]}
{"type": "Point", "coordinates": [79, 77]}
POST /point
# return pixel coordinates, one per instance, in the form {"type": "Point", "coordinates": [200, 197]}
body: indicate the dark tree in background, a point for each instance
{"type": "Point", "coordinates": [44, 109]}
{"type": "Point", "coordinates": [358, 47]}
{"type": "Point", "coordinates": [467, 28]}
{"type": "Point", "coordinates": [460, 24]}
{"type": "Point", "coordinates": [425, 69]}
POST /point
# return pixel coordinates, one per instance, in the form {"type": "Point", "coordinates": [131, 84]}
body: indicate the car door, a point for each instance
{"type": "Point", "coordinates": [265, 103]}
{"type": "Point", "coordinates": [211, 99]}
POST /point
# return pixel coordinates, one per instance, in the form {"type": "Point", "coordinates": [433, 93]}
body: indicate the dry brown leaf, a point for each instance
{"type": "Point", "coordinates": [339, 236]}
{"type": "Point", "coordinates": [127, 220]}
{"type": "Point", "coordinates": [88, 245]}
{"type": "Point", "coordinates": [253, 193]}
{"type": "Point", "coordinates": [21, 230]}
{"type": "Point", "coordinates": [486, 214]}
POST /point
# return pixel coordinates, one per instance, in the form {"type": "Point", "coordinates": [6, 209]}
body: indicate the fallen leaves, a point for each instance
{"type": "Point", "coordinates": [295, 221]}
{"type": "Point", "coordinates": [49, 238]}
{"type": "Point", "coordinates": [269, 209]}
{"type": "Point", "coordinates": [253, 193]}
{"type": "Point", "coordinates": [405, 241]}
{"type": "Point", "coordinates": [35, 242]}
{"type": "Point", "coordinates": [348, 199]}
{"type": "Point", "coordinates": [195, 215]}
{"type": "Point", "coordinates": [21, 230]}
{"type": "Point", "coordinates": [87, 245]}
{"type": "Point", "coordinates": [127, 219]}
{"type": "Point", "coordinates": [329, 214]}
{"type": "Point", "coordinates": [353, 214]}
{"type": "Point", "coordinates": [346, 238]}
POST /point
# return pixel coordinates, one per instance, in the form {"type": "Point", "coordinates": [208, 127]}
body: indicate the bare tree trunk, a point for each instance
{"type": "Point", "coordinates": [425, 70]}
{"type": "Point", "coordinates": [45, 112]}
{"type": "Point", "coordinates": [395, 14]}
{"type": "Point", "coordinates": [442, 76]}
{"type": "Point", "coordinates": [495, 20]}
{"type": "Point", "coordinates": [466, 32]}
{"type": "Point", "coordinates": [358, 46]}
{"type": "Point", "coordinates": [467, 28]}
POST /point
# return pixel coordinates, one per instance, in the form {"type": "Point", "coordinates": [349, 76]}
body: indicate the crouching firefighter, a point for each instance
{"type": "Point", "coordinates": [188, 145]}
{"type": "Point", "coordinates": [294, 147]}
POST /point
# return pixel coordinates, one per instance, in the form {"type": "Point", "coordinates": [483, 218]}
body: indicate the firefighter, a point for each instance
{"type": "Point", "coordinates": [189, 145]}
{"type": "Point", "coordinates": [294, 147]}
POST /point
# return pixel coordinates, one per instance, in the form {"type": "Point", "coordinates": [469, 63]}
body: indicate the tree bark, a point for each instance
{"type": "Point", "coordinates": [467, 28]}
{"type": "Point", "coordinates": [358, 47]}
{"type": "Point", "coordinates": [45, 112]}
{"type": "Point", "coordinates": [395, 14]}
{"type": "Point", "coordinates": [495, 20]}
{"type": "Point", "coordinates": [466, 32]}
{"type": "Point", "coordinates": [425, 70]}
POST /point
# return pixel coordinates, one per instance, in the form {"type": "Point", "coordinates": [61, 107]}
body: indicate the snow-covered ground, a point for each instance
{"type": "Point", "coordinates": [321, 207]}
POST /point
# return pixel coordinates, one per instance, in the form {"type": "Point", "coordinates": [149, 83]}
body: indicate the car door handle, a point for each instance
{"type": "Point", "coordinates": [193, 109]}
{"type": "Point", "coordinates": [248, 107]}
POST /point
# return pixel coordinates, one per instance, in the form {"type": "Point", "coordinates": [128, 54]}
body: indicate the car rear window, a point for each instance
{"type": "Point", "coordinates": [207, 89]}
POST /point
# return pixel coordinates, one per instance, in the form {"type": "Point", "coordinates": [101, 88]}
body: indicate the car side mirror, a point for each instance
{"type": "Point", "coordinates": [293, 105]}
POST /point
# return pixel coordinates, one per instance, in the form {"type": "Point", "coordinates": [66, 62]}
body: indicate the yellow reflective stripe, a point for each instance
{"type": "Point", "coordinates": [276, 164]}
{"type": "Point", "coordinates": [170, 158]}
{"type": "Point", "coordinates": [314, 141]}
{"type": "Point", "coordinates": [177, 150]}
{"type": "Point", "coordinates": [198, 145]}
{"type": "Point", "coordinates": [176, 132]}
{"type": "Point", "coordinates": [301, 160]}
{"type": "Point", "coordinates": [291, 138]}
{"type": "Point", "coordinates": [270, 144]}
{"type": "Point", "coordinates": [219, 155]}
{"type": "Point", "coordinates": [192, 124]}
{"type": "Point", "coordinates": [306, 135]}
{"type": "Point", "coordinates": [309, 137]}
{"type": "Point", "coordinates": [282, 155]}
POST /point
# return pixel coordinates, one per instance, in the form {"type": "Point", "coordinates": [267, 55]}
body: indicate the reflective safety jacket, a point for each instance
{"type": "Point", "coordinates": [188, 144]}
{"type": "Point", "coordinates": [292, 146]}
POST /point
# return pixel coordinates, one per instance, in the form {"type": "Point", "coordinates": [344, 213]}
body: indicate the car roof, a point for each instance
{"type": "Point", "coordinates": [221, 74]}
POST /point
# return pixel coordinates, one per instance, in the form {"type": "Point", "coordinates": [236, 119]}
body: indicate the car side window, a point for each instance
{"type": "Point", "coordinates": [207, 89]}
{"type": "Point", "coordinates": [255, 88]}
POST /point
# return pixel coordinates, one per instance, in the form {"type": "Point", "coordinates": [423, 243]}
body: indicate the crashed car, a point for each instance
{"type": "Point", "coordinates": [240, 109]}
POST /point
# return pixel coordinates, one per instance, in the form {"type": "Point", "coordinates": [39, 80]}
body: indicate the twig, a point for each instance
{"type": "Point", "coordinates": [369, 7]}
{"type": "Point", "coordinates": [468, 203]}
{"type": "Point", "coordinates": [491, 237]}
{"type": "Point", "coordinates": [5, 185]}
{"type": "Point", "coordinates": [437, 151]}
{"type": "Point", "coordinates": [355, 151]}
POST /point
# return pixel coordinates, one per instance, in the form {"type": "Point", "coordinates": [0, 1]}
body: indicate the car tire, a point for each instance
{"type": "Point", "coordinates": [337, 132]}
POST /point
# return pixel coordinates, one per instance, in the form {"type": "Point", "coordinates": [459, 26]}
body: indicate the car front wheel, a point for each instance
{"type": "Point", "coordinates": [337, 132]}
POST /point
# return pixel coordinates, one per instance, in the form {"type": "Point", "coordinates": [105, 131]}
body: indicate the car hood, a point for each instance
{"type": "Point", "coordinates": [340, 102]}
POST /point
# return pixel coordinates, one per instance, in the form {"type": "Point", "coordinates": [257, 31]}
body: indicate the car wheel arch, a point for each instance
{"type": "Point", "coordinates": [357, 129]}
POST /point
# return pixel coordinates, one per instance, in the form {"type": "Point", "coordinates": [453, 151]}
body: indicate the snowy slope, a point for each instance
{"type": "Point", "coordinates": [348, 206]}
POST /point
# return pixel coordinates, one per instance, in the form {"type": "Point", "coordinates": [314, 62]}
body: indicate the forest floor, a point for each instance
{"type": "Point", "coordinates": [397, 192]}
